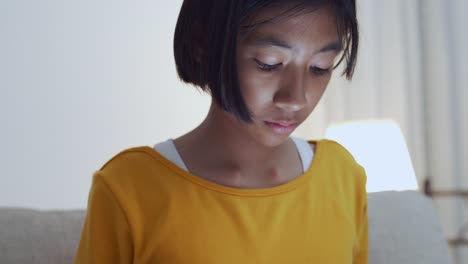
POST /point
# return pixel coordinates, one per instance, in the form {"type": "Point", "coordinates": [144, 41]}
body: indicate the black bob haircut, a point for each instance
{"type": "Point", "coordinates": [205, 42]}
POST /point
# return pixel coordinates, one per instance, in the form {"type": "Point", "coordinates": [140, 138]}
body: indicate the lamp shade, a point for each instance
{"type": "Point", "coordinates": [379, 146]}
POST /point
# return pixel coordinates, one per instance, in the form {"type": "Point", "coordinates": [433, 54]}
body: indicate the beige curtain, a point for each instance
{"type": "Point", "coordinates": [413, 68]}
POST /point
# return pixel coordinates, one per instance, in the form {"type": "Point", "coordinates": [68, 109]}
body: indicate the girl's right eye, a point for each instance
{"type": "Point", "coordinates": [267, 67]}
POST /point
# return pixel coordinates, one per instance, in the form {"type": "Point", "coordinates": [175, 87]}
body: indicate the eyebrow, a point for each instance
{"type": "Point", "coordinates": [334, 46]}
{"type": "Point", "coordinates": [272, 41]}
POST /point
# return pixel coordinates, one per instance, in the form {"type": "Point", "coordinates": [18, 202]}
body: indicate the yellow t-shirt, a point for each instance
{"type": "Point", "coordinates": [143, 208]}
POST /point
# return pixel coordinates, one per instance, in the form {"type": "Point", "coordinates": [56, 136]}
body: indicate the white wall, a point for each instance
{"type": "Point", "coordinates": [80, 81]}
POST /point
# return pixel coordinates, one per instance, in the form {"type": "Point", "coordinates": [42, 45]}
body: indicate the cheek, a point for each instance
{"type": "Point", "coordinates": [257, 88]}
{"type": "Point", "coordinates": [320, 85]}
{"type": "Point", "coordinates": [315, 91]}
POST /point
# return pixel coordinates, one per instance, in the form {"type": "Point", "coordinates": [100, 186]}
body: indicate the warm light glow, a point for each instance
{"type": "Point", "coordinates": [379, 146]}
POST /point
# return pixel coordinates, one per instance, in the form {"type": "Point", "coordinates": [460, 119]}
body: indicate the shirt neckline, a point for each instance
{"type": "Point", "coordinates": [278, 189]}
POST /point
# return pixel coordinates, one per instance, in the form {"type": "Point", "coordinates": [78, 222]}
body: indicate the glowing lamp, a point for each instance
{"type": "Point", "coordinates": [379, 146]}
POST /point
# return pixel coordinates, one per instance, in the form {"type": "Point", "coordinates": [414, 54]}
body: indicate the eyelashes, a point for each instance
{"type": "Point", "coordinates": [267, 67]}
{"type": "Point", "coordinates": [270, 68]}
{"type": "Point", "coordinates": [320, 71]}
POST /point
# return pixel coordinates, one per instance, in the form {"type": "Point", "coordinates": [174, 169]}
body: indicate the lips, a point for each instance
{"type": "Point", "coordinates": [282, 127]}
{"type": "Point", "coordinates": [283, 123]}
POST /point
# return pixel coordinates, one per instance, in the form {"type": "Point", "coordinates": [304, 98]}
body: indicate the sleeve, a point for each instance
{"type": "Point", "coordinates": [361, 253]}
{"type": "Point", "coordinates": [106, 236]}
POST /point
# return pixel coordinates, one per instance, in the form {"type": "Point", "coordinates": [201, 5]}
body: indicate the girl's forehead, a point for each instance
{"type": "Point", "coordinates": [276, 14]}
{"type": "Point", "coordinates": [317, 25]}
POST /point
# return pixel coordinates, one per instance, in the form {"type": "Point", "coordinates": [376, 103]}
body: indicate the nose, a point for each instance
{"type": "Point", "coordinates": [291, 95]}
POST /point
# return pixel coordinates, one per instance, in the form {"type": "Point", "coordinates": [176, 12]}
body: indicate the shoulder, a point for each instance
{"type": "Point", "coordinates": [129, 178]}
{"type": "Point", "coordinates": [128, 157]}
{"type": "Point", "coordinates": [129, 167]}
{"type": "Point", "coordinates": [132, 174]}
{"type": "Point", "coordinates": [346, 174]}
{"type": "Point", "coordinates": [341, 159]}
{"type": "Point", "coordinates": [336, 152]}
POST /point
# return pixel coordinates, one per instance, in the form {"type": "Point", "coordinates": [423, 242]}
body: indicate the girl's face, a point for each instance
{"type": "Point", "coordinates": [284, 67]}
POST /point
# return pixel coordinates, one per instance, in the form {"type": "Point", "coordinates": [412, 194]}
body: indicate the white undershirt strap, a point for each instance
{"type": "Point", "coordinates": [305, 152]}
{"type": "Point", "coordinates": [168, 149]}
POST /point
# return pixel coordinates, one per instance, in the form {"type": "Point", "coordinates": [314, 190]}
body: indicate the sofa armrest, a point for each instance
{"type": "Point", "coordinates": [41, 237]}
{"type": "Point", "coordinates": [404, 229]}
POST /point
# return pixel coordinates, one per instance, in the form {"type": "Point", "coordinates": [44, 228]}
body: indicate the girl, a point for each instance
{"type": "Point", "coordinates": [238, 188]}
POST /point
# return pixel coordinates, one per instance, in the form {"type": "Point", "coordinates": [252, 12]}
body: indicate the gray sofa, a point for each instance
{"type": "Point", "coordinates": [403, 229]}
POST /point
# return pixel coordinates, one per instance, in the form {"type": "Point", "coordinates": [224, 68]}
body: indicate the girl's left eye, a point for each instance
{"type": "Point", "coordinates": [320, 71]}
{"type": "Point", "coordinates": [267, 67]}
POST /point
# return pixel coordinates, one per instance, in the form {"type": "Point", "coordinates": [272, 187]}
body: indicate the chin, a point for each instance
{"type": "Point", "coordinates": [271, 139]}
{"type": "Point", "coordinates": [266, 136]}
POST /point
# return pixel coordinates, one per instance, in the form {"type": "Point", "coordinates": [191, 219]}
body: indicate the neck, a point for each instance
{"type": "Point", "coordinates": [222, 139]}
